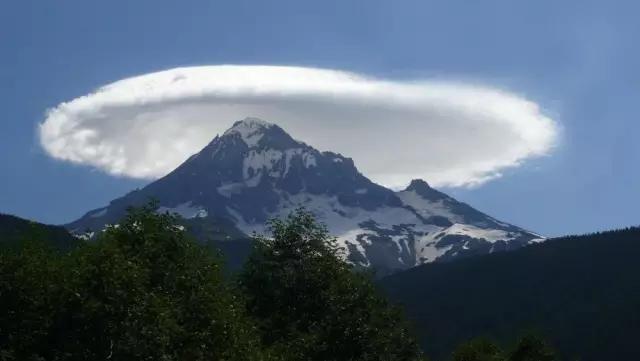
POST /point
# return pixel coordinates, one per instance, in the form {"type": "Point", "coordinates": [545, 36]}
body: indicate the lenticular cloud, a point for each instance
{"type": "Point", "coordinates": [450, 134]}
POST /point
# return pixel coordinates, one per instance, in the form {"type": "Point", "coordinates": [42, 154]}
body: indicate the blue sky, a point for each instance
{"type": "Point", "coordinates": [576, 59]}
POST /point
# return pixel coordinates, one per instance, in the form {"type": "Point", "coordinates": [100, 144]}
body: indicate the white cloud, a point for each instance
{"type": "Point", "coordinates": [448, 133]}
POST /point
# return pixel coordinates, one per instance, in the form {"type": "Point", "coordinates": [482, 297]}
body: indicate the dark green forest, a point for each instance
{"type": "Point", "coordinates": [582, 293]}
{"type": "Point", "coordinates": [14, 231]}
{"type": "Point", "coordinates": [147, 290]}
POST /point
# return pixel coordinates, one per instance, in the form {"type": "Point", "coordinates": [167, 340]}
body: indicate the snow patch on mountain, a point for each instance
{"type": "Point", "coordinates": [274, 163]}
{"type": "Point", "coordinates": [425, 207]}
{"type": "Point", "coordinates": [251, 130]}
{"type": "Point", "coordinates": [489, 235]}
{"type": "Point", "coordinates": [358, 227]}
{"type": "Point", "coordinates": [187, 210]}
{"type": "Point", "coordinates": [229, 189]}
{"type": "Point", "coordinates": [258, 161]}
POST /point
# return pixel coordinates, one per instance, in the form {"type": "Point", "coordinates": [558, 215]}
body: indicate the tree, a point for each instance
{"type": "Point", "coordinates": [29, 299]}
{"type": "Point", "coordinates": [142, 291]}
{"type": "Point", "coordinates": [479, 349]}
{"type": "Point", "coordinates": [532, 348]}
{"type": "Point", "coordinates": [311, 305]}
{"type": "Point", "coordinates": [528, 348]}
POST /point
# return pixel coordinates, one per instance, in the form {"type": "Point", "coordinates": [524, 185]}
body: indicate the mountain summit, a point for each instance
{"type": "Point", "coordinates": [256, 171]}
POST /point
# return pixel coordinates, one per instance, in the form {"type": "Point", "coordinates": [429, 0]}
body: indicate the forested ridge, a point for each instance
{"type": "Point", "coordinates": [582, 293]}
{"type": "Point", "coordinates": [15, 230]}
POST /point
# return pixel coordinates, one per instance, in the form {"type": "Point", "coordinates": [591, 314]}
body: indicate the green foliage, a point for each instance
{"type": "Point", "coordinates": [311, 306]}
{"type": "Point", "coordinates": [580, 292]}
{"type": "Point", "coordinates": [532, 348]}
{"type": "Point", "coordinates": [142, 291]}
{"type": "Point", "coordinates": [528, 348]}
{"type": "Point", "coordinates": [30, 294]}
{"type": "Point", "coordinates": [16, 231]}
{"type": "Point", "coordinates": [478, 350]}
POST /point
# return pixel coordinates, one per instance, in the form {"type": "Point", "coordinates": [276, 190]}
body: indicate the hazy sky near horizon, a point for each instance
{"type": "Point", "coordinates": [576, 60]}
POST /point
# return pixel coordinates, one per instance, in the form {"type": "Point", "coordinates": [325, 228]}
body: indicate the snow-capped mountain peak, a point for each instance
{"type": "Point", "coordinates": [257, 133]}
{"type": "Point", "coordinates": [422, 188]}
{"type": "Point", "coordinates": [250, 130]}
{"type": "Point", "coordinates": [256, 171]}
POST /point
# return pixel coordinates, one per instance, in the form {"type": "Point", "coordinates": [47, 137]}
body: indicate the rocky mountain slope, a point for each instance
{"type": "Point", "coordinates": [256, 171]}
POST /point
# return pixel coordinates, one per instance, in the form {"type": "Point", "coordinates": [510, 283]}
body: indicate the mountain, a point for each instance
{"type": "Point", "coordinates": [256, 171]}
{"type": "Point", "coordinates": [15, 230]}
{"type": "Point", "coordinates": [582, 293]}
